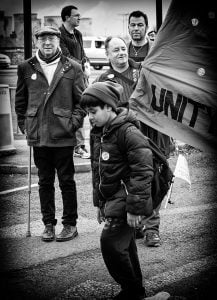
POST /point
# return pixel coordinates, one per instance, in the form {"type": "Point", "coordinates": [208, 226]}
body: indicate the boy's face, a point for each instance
{"type": "Point", "coordinates": [98, 116]}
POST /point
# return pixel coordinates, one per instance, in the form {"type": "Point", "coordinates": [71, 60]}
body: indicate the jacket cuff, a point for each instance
{"type": "Point", "coordinates": [137, 205]}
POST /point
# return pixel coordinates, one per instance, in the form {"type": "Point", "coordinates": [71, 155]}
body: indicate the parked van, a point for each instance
{"type": "Point", "coordinates": [94, 48]}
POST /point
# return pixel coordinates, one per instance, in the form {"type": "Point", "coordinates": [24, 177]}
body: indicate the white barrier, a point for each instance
{"type": "Point", "coordinates": [6, 128]}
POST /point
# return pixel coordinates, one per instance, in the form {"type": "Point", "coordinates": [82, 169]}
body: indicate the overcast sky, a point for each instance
{"type": "Point", "coordinates": [107, 15]}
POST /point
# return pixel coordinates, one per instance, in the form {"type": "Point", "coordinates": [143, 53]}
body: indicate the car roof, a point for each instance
{"type": "Point", "coordinates": [94, 38]}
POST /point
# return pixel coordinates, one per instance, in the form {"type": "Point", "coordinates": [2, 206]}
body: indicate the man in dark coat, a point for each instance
{"type": "Point", "coordinates": [48, 93]}
{"type": "Point", "coordinates": [71, 44]}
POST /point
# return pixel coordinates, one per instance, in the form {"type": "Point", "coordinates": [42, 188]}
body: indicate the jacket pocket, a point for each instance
{"type": "Point", "coordinates": [32, 123]}
{"type": "Point", "coordinates": [63, 126]}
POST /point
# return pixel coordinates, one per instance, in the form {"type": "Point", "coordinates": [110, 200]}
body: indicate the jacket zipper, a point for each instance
{"type": "Point", "coordinates": [124, 186]}
{"type": "Point", "coordinates": [100, 153]}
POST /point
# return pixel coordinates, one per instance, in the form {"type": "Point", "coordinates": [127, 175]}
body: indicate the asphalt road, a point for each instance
{"type": "Point", "coordinates": [184, 265]}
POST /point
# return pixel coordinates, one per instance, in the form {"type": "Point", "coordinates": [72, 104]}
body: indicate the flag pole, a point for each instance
{"type": "Point", "coordinates": [169, 195]}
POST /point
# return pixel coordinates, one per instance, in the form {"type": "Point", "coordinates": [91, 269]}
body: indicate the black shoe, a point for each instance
{"type": "Point", "coordinates": [49, 233]}
{"type": "Point", "coordinates": [131, 295]}
{"type": "Point", "coordinates": [152, 239]}
{"type": "Point", "coordinates": [68, 233]}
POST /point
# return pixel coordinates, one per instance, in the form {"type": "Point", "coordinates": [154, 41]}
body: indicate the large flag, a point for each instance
{"type": "Point", "coordinates": [177, 91]}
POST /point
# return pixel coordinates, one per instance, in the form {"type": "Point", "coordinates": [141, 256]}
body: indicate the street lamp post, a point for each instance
{"type": "Point", "coordinates": [158, 13]}
{"type": "Point", "coordinates": [27, 28]}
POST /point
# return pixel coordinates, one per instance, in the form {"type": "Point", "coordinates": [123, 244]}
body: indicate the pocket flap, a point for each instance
{"type": "Point", "coordinates": [62, 112]}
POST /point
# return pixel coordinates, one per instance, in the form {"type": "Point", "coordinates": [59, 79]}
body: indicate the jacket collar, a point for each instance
{"type": "Point", "coordinates": [62, 28]}
{"type": "Point", "coordinates": [66, 64]}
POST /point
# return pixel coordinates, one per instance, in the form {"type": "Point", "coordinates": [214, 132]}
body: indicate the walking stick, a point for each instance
{"type": "Point", "coordinates": [28, 233]}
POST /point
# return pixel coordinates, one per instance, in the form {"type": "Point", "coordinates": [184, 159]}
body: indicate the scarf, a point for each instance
{"type": "Point", "coordinates": [50, 59]}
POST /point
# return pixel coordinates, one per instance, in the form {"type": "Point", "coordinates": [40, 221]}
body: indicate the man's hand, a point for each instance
{"type": "Point", "coordinates": [87, 70]}
{"type": "Point", "coordinates": [100, 216]}
{"type": "Point", "coordinates": [133, 220]}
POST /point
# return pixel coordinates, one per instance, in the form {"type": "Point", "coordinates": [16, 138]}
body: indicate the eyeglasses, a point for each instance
{"type": "Point", "coordinates": [49, 38]}
{"type": "Point", "coordinates": [76, 16]}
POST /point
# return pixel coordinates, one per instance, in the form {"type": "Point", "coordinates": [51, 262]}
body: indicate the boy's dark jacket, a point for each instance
{"type": "Point", "coordinates": [122, 174]}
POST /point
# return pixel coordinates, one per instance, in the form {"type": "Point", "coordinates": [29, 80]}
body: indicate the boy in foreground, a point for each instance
{"type": "Point", "coordinates": [122, 171]}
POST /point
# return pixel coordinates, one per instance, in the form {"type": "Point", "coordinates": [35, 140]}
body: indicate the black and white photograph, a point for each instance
{"type": "Point", "coordinates": [108, 150]}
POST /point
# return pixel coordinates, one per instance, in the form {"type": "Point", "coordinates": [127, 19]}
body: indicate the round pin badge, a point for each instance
{"type": "Point", "coordinates": [110, 76]}
{"type": "Point", "coordinates": [194, 21]}
{"type": "Point", "coordinates": [105, 155]}
{"type": "Point", "coordinates": [34, 76]}
{"type": "Point", "coordinates": [201, 71]}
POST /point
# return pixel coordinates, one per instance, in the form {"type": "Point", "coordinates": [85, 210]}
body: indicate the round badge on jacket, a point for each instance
{"type": "Point", "coordinates": [105, 155]}
{"type": "Point", "coordinates": [110, 76]}
{"type": "Point", "coordinates": [34, 76]}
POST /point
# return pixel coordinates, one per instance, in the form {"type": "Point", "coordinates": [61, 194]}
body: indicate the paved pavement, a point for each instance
{"type": "Point", "coordinates": [16, 162]}
{"type": "Point", "coordinates": [22, 258]}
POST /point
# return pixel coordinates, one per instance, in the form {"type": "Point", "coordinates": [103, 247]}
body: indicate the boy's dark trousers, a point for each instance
{"type": "Point", "coordinates": [120, 255]}
{"type": "Point", "coordinates": [60, 159]}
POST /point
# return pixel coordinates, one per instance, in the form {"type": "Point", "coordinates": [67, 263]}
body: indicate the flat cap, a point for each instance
{"type": "Point", "coordinates": [47, 30]}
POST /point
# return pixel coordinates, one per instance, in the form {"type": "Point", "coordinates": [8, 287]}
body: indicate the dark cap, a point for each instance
{"type": "Point", "coordinates": [108, 92]}
{"type": "Point", "coordinates": [47, 30]}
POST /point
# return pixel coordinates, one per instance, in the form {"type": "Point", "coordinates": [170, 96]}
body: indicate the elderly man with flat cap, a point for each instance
{"type": "Point", "coordinates": [49, 88]}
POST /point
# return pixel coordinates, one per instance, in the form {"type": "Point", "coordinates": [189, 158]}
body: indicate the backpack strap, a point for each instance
{"type": "Point", "coordinates": [157, 152]}
{"type": "Point", "coordinates": [163, 175]}
{"type": "Point", "coordinates": [120, 135]}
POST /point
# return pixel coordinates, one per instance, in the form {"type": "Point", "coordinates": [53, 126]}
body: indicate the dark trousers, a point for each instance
{"type": "Point", "coordinates": [120, 255]}
{"type": "Point", "coordinates": [48, 160]}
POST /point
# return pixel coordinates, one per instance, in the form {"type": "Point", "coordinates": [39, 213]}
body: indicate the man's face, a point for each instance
{"type": "Point", "coordinates": [117, 52]}
{"type": "Point", "coordinates": [75, 18]}
{"type": "Point", "coordinates": [47, 44]}
{"type": "Point", "coordinates": [99, 116]}
{"type": "Point", "coordinates": [137, 28]}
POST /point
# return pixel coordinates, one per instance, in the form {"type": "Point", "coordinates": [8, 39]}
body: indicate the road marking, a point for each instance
{"type": "Point", "coordinates": [188, 209]}
{"type": "Point", "coordinates": [25, 187]}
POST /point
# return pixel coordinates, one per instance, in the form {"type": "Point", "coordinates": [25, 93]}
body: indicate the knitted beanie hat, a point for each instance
{"type": "Point", "coordinates": [108, 92]}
